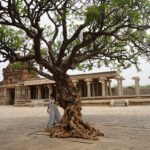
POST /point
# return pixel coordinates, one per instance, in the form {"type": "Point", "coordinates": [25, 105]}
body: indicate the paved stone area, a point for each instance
{"type": "Point", "coordinates": [125, 128]}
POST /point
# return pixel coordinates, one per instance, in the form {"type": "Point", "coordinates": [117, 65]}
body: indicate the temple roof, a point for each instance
{"type": "Point", "coordinates": [109, 75]}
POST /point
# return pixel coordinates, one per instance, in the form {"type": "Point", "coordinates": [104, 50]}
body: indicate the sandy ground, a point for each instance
{"type": "Point", "coordinates": [125, 128]}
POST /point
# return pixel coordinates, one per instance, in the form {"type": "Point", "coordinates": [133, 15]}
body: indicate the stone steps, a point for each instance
{"type": "Point", "coordinates": [36, 104]}
{"type": "Point", "coordinates": [21, 102]}
{"type": "Point", "coordinates": [119, 103]}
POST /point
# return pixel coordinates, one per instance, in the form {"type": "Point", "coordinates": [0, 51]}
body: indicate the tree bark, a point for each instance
{"type": "Point", "coordinates": [71, 124]}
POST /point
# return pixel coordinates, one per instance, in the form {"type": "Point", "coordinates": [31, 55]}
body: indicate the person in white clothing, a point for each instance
{"type": "Point", "coordinates": [54, 115]}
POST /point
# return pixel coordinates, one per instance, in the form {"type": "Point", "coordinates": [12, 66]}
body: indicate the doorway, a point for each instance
{"type": "Point", "coordinates": [12, 96]}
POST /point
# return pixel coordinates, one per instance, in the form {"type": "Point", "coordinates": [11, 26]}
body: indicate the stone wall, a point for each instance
{"type": "Point", "coordinates": [114, 91]}
{"type": "Point", "coordinates": [131, 91]}
{"type": "Point", "coordinates": [1, 96]}
{"type": "Point", "coordinates": [13, 75]}
{"type": "Point", "coordinates": [145, 91]}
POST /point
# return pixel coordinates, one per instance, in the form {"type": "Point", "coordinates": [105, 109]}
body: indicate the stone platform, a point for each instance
{"type": "Point", "coordinates": [97, 101]}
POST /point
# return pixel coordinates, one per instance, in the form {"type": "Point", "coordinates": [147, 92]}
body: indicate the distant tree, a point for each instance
{"type": "Point", "coordinates": [59, 35]}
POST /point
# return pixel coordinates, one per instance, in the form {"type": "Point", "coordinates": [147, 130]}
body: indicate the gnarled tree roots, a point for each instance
{"type": "Point", "coordinates": [72, 125]}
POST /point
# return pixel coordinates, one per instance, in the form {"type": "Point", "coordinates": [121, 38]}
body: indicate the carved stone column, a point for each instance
{"type": "Point", "coordinates": [109, 86]}
{"type": "Point", "coordinates": [103, 81]}
{"type": "Point", "coordinates": [137, 86]}
{"type": "Point", "coordinates": [17, 94]}
{"type": "Point", "coordinates": [80, 90]}
{"type": "Point", "coordinates": [39, 91]}
{"type": "Point", "coordinates": [75, 82]}
{"type": "Point", "coordinates": [28, 92]}
{"type": "Point", "coordinates": [5, 96]}
{"type": "Point", "coordinates": [88, 83]}
{"type": "Point", "coordinates": [49, 90]}
{"type": "Point", "coordinates": [120, 87]}
{"type": "Point", "coordinates": [22, 94]}
{"type": "Point", "coordinates": [93, 88]}
{"type": "Point", "coordinates": [97, 87]}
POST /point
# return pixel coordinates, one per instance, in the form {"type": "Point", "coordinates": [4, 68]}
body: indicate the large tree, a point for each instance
{"type": "Point", "coordinates": [57, 35]}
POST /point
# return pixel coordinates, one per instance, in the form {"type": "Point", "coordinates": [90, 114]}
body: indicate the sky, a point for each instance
{"type": "Point", "coordinates": [144, 74]}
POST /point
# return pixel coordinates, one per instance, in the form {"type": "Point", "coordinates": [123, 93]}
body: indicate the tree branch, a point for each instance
{"type": "Point", "coordinates": [42, 73]}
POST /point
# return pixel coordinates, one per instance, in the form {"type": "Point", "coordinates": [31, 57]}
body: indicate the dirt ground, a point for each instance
{"type": "Point", "coordinates": [125, 128]}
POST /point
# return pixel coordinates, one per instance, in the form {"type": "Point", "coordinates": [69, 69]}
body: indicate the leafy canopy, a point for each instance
{"type": "Point", "coordinates": [63, 34]}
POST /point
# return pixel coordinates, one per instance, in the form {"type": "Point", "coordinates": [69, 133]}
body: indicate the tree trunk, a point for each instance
{"type": "Point", "coordinates": [71, 124]}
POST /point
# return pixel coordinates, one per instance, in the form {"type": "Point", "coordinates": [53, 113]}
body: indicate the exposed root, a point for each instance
{"type": "Point", "coordinates": [72, 125]}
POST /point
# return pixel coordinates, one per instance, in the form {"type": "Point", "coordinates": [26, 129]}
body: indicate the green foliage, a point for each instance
{"type": "Point", "coordinates": [20, 7]}
{"type": "Point", "coordinates": [11, 37]}
{"type": "Point", "coordinates": [18, 4]}
{"type": "Point", "coordinates": [113, 33]}
{"type": "Point", "coordinates": [85, 67]}
{"type": "Point", "coordinates": [18, 65]}
{"type": "Point", "coordinates": [93, 13]}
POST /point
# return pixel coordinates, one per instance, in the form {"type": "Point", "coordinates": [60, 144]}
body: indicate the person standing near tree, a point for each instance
{"type": "Point", "coordinates": [54, 115]}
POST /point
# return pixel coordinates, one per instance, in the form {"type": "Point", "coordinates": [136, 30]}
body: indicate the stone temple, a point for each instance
{"type": "Point", "coordinates": [22, 87]}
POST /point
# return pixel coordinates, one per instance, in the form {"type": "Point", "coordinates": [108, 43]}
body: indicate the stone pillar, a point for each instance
{"type": "Point", "coordinates": [97, 88]}
{"type": "Point", "coordinates": [88, 83]}
{"type": "Point", "coordinates": [75, 83]}
{"type": "Point", "coordinates": [23, 92]}
{"type": "Point", "coordinates": [137, 86]}
{"type": "Point", "coordinates": [103, 81]}
{"type": "Point", "coordinates": [17, 93]}
{"type": "Point", "coordinates": [39, 92]}
{"type": "Point", "coordinates": [80, 89]}
{"type": "Point", "coordinates": [120, 87]}
{"type": "Point", "coordinates": [28, 92]}
{"type": "Point", "coordinates": [106, 87]}
{"type": "Point", "coordinates": [5, 96]}
{"type": "Point", "coordinates": [109, 86]}
{"type": "Point", "coordinates": [93, 88]}
{"type": "Point", "coordinates": [49, 90]}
